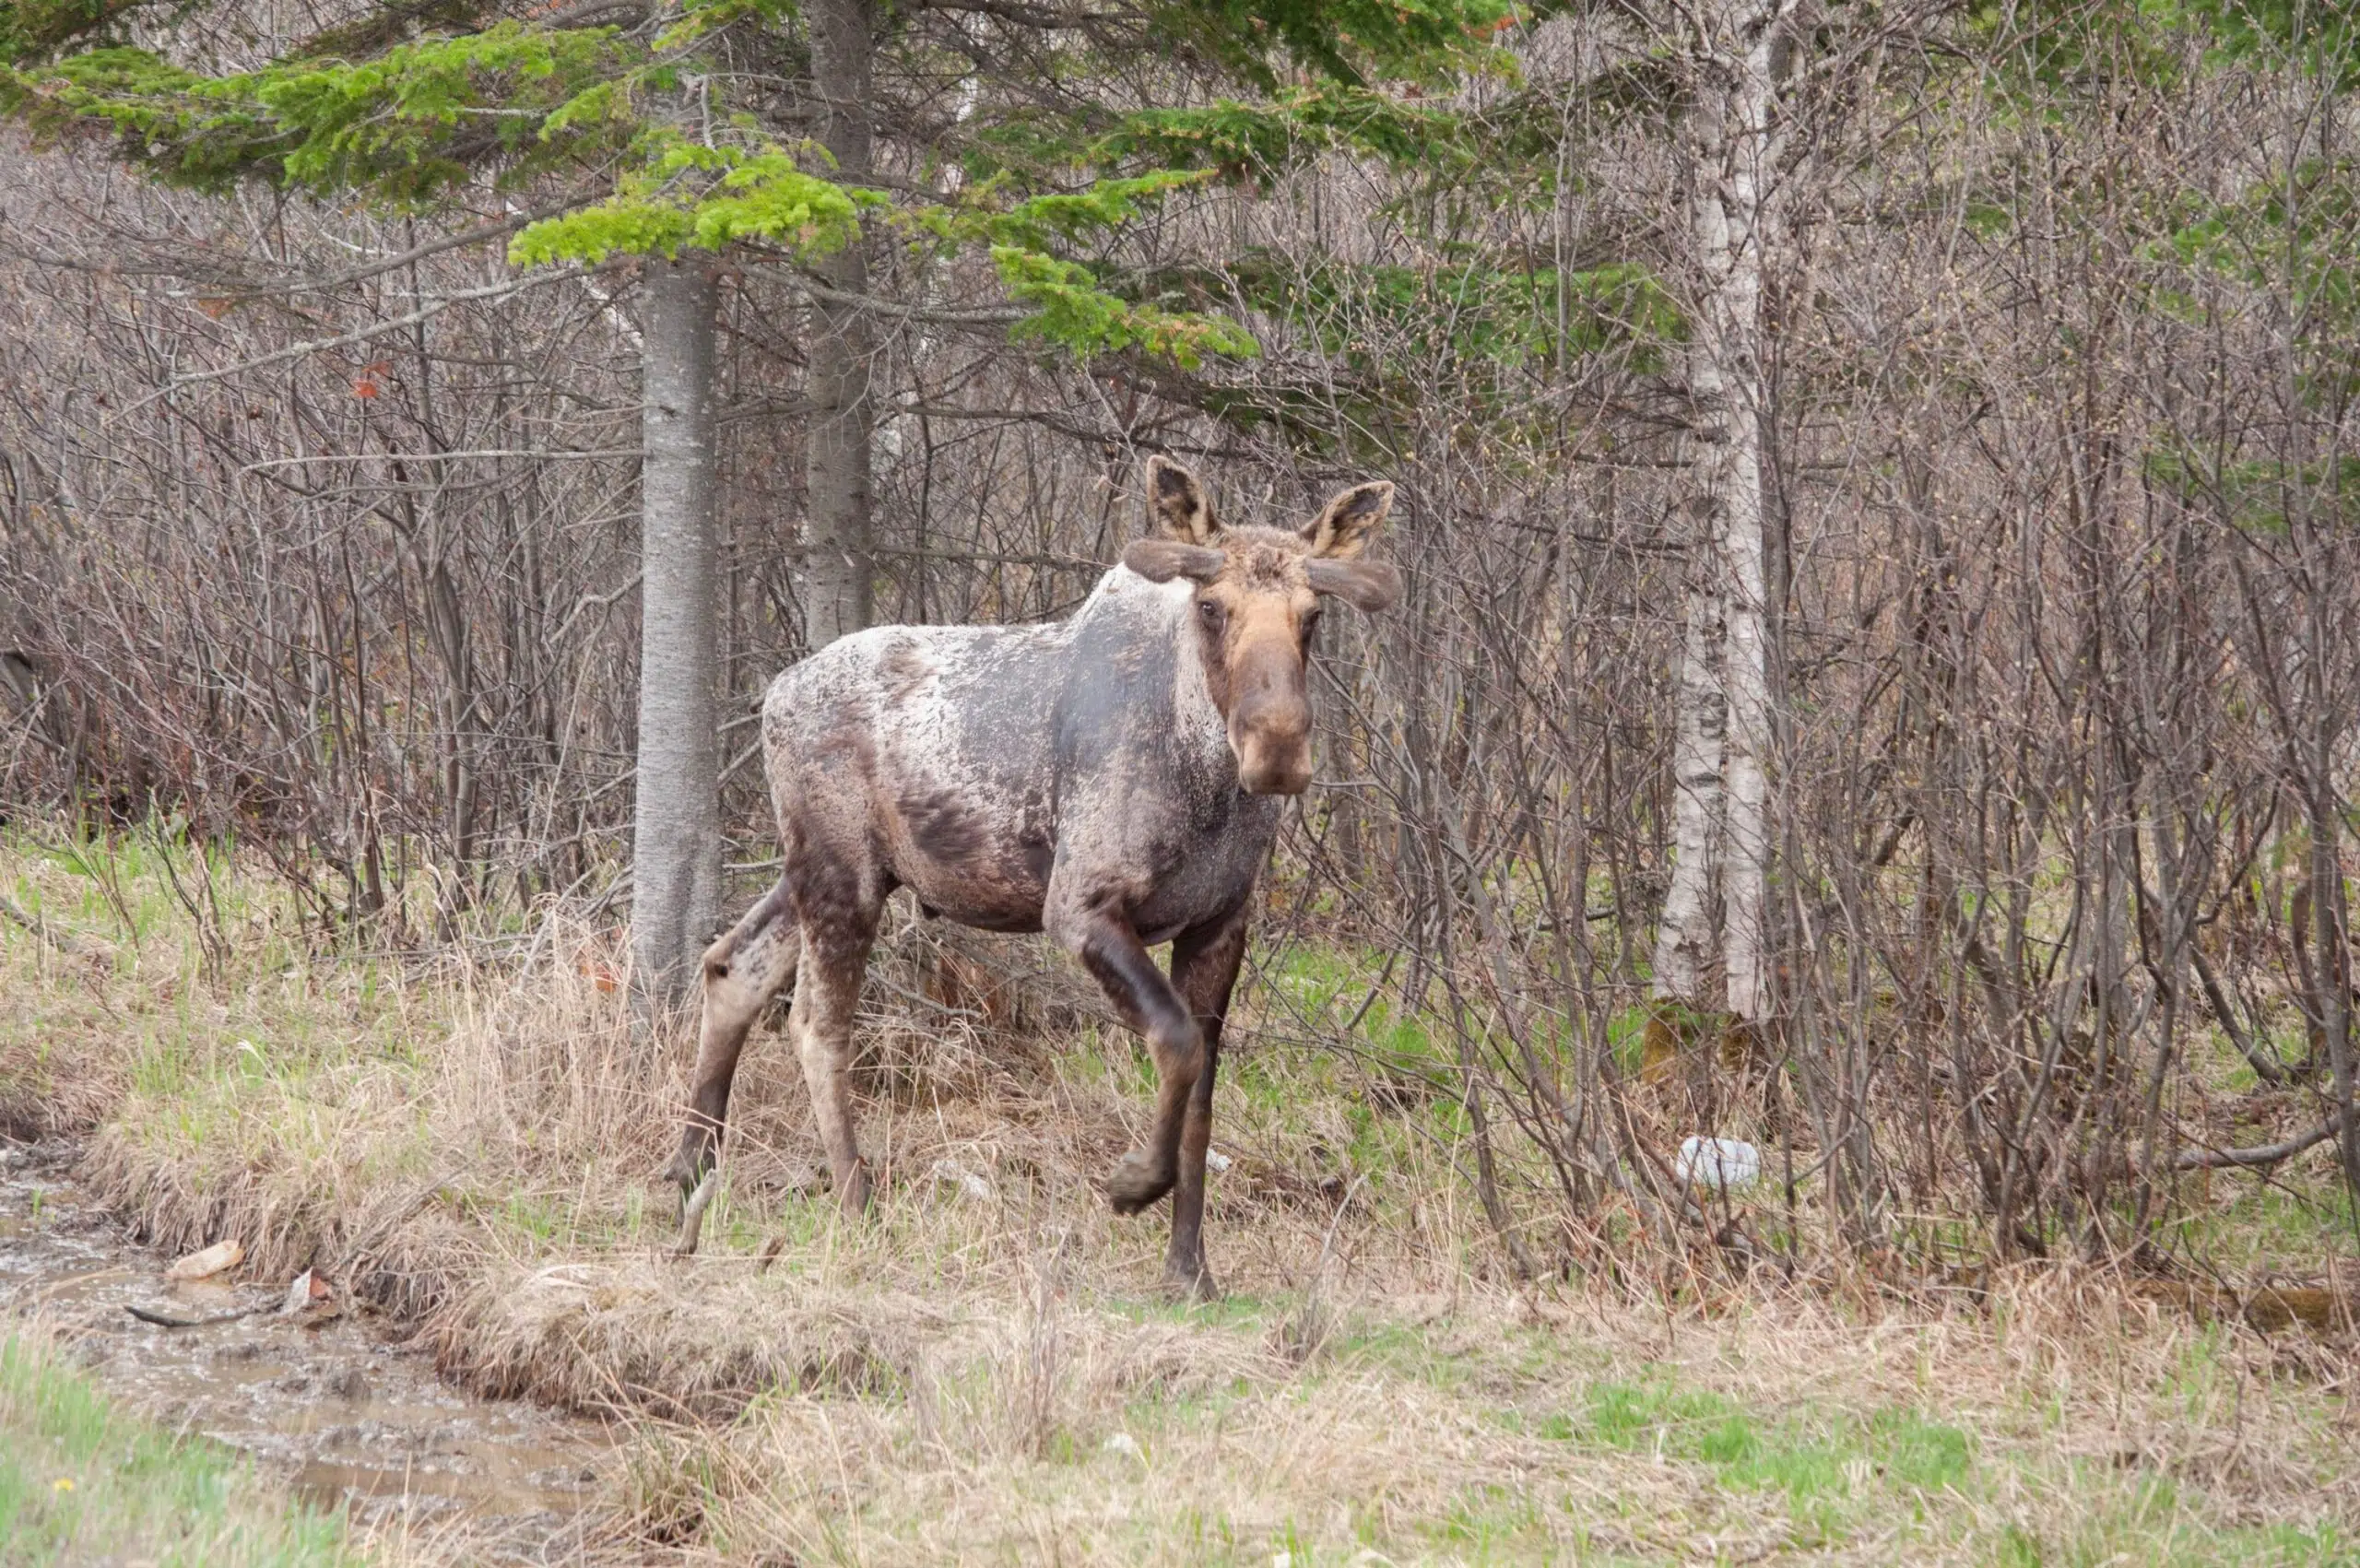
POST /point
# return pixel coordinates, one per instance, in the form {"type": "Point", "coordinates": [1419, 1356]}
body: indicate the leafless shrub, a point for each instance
{"type": "Point", "coordinates": [2059, 566]}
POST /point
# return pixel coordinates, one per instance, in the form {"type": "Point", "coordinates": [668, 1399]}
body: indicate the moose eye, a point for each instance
{"type": "Point", "coordinates": [1210, 610]}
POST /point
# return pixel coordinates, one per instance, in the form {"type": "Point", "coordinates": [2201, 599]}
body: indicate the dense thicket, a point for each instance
{"type": "Point", "coordinates": [320, 532]}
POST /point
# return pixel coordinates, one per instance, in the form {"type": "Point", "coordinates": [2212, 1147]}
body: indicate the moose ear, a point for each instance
{"type": "Point", "coordinates": [1178, 507]}
{"type": "Point", "coordinates": [1160, 560]}
{"type": "Point", "coordinates": [1371, 585]}
{"type": "Point", "coordinates": [1344, 524]}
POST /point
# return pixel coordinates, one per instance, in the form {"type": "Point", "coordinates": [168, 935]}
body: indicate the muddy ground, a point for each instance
{"type": "Point", "coordinates": [348, 1416]}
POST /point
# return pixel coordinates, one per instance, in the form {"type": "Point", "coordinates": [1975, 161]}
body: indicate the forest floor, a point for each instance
{"type": "Point", "coordinates": [987, 1371]}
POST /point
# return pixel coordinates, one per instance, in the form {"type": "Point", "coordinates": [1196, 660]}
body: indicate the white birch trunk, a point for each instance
{"type": "Point", "coordinates": [675, 835]}
{"type": "Point", "coordinates": [1735, 134]}
{"type": "Point", "coordinates": [1684, 936]}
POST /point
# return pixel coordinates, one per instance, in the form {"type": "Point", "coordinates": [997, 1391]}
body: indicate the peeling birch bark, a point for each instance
{"type": "Point", "coordinates": [1684, 936]}
{"type": "Point", "coordinates": [1735, 133]}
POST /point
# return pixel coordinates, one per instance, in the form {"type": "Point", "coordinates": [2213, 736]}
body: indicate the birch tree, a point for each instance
{"type": "Point", "coordinates": [1736, 54]}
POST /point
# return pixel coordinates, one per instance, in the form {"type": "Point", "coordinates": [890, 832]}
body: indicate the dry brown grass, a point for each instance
{"type": "Point", "coordinates": [1398, 1448]}
{"type": "Point", "coordinates": [994, 1376]}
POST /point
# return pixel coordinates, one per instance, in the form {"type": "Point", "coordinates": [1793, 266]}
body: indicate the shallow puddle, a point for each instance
{"type": "Point", "coordinates": [351, 1420]}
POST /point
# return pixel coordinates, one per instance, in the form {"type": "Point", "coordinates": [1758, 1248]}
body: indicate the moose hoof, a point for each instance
{"type": "Point", "coordinates": [689, 1163]}
{"type": "Point", "coordinates": [852, 1194]}
{"type": "Point", "coordinates": [1134, 1184]}
{"type": "Point", "coordinates": [1190, 1287]}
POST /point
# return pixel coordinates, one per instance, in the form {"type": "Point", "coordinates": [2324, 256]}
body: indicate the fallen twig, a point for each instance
{"type": "Point", "coordinates": [2267, 1155]}
{"type": "Point", "coordinates": [167, 1320]}
{"type": "Point", "coordinates": [62, 940]}
{"type": "Point", "coordinates": [2268, 1308]}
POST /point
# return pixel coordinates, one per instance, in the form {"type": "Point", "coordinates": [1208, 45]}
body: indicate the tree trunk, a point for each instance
{"type": "Point", "coordinates": [1735, 402]}
{"type": "Point", "coordinates": [1734, 140]}
{"type": "Point", "coordinates": [836, 559]}
{"type": "Point", "coordinates": [2329, 933]}
{"type": "Point", "coordinates": [1684, 936]}
{"type": "Point", "coordinates": [676, 854]}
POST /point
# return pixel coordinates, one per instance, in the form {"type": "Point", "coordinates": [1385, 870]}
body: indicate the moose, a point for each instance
{"type": "Point", "coordinates": [1114, 780]}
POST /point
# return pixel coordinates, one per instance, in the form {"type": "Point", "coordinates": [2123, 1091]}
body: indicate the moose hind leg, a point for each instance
{"type": "Point", "coordinates": [751, 964]}
{"type": "Point", "coordinates": [1112, 951]}
{"type": "Point", "coordinates": [827, 993]}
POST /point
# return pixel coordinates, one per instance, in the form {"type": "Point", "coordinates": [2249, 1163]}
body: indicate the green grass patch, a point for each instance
{"type": "Point", "coordinates": [1796, 1454]}
{"type": "Point", "coordinates": [82, 1481]}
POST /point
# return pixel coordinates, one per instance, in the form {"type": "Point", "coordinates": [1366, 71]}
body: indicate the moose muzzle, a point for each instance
{"type": "Point", "coordinates": [1270, 732]}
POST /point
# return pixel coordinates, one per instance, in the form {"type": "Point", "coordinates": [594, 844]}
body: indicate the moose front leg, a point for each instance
{"type": "Point", "coordinates": [742, 971]}
{"type": "Point", "coordinates": [1101, 936]}
{"type": "Point", "coordinates": [1204, 970]}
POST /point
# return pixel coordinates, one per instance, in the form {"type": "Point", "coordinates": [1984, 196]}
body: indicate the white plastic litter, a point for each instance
{"type": "Point", "coordinates": [950, 1174]}
{"type": "Point", "coordinates": [1718, 1162]}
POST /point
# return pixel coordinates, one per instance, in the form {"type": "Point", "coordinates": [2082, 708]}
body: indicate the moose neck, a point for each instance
{"type": "Point", "coordinates": [1138, 671]}
{"type": "Point", "coordinates": [1198, 728]}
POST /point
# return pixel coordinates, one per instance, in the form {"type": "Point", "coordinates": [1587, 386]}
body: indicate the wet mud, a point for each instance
{"type": "Point", "coordinates": [321, 1399]}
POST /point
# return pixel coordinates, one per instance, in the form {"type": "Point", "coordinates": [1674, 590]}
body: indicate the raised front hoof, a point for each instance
{"type": "Point", "coordinates": [689, 1163]}
{"type": "Point", "coordinates": [1135, 1183]}
{"type": "Point", "coordinates": [1190, 1286]}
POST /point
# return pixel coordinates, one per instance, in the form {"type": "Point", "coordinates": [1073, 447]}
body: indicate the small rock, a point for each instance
{"type": "Point", "coordinates": [1123, 1443]}
{"type": "Point", "coordinates": [1216, 1161]}
{"type": "Point", "coordinates": [350, 1384]}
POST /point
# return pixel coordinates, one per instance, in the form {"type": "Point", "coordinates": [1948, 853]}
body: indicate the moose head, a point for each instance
{"type": "Point", "coordinates": [1258, 593]}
